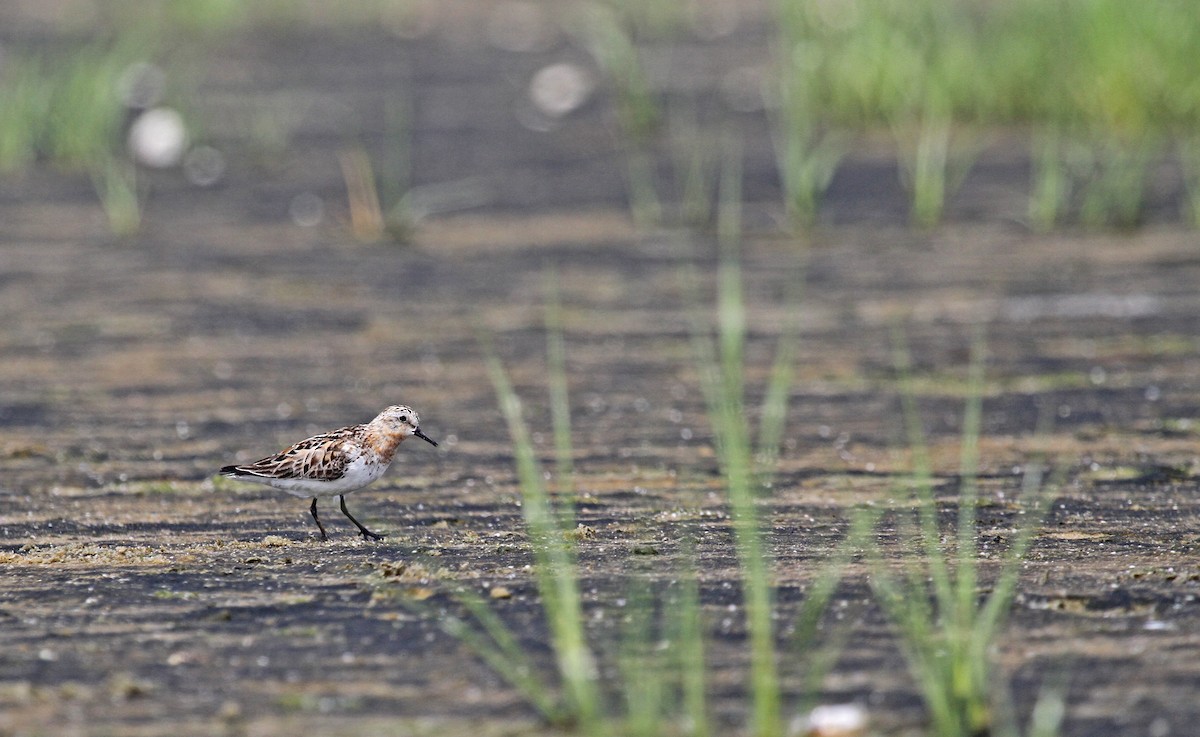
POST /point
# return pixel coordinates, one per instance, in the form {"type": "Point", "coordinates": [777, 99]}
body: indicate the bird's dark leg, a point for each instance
{"type": "Point", "coordinates": [317, 519]}
{"type": "Point", "coordinates": [365, 532]}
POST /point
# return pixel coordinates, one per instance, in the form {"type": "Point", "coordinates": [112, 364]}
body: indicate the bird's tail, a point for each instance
{"type": "Point", "coordinates": [232, 471]}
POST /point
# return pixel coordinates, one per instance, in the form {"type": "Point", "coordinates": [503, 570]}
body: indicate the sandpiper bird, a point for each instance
{"type": "Point", "coordinates": [336, 463]}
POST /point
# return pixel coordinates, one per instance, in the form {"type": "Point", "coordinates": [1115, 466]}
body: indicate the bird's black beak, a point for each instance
{"type": "Point", "coordinates": [423, 436]}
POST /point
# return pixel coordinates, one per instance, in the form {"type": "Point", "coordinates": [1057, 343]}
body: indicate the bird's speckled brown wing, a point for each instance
{"type": "Point", "coordinates": [320, 458]}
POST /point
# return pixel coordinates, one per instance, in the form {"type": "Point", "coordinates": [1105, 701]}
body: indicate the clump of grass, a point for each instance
{"type": "Point", "coordinates": [1050, 191]}
{"type": "Point", "coordinates": [721, 364]}
{"type": "Point", "coordinates": [807, 150]}
{"type": "Point", "coordinates": [554, 563]}
{"type": "Point", "coordinates": [1115, 181]}
{"type": "Point", "coordinates": [808, 156]}
{"type": "Point", "coordinates": [932, 166]}
{"type": "Point", "coordinates": [116, 184]}
{"type": "Point", "coordinates": [694, 164]}
{"type": "Point", "coordinates": [748, 461]}
{"type": "Point", "coordinates": [610, 41]}
{"type": "Point", "coordinates": [947, 630]}
{"type": "Point", "coordinates": [650, 677]}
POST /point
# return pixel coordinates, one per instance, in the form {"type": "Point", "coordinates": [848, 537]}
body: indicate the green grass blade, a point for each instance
{"type": "Point", "coordinates": [731, 306]}
{"type": "Point", "coordinates": [966, 568]}
{"type": "Point", "coordinates": [691, 657]}
{"type": "Point", "coordinates": [720, 366]}
{"type": "Point", "coordinates": [695, 164]}
{"type": "Point", "coordinates": [775, 400]}
{"type": "Point", "coordinates": [1051, 188]}
{"type": "Point", "coordinates": [560, 404]}
{"type": "Point", "coordinates": [1049, 710]}
{"type": "Point", "coordinates": [116, 184]}
{"type": "Point", "coordinates": [930, 536]}
{"type": "Point", "coordinates": [727, 416]}
{"type": "Point", "coordinates": [640, 663]}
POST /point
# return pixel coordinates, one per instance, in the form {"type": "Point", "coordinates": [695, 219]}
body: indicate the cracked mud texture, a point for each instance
{"type": "Point", "coordinates": [141, 596]}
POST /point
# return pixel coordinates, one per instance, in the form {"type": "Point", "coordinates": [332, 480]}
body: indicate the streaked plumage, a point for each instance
{"type": "Point", "coordinates": [337, 462]}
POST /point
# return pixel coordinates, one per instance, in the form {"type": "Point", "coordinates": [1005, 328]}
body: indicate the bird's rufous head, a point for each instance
{"type": "Point", "coordinates": [403, 421]}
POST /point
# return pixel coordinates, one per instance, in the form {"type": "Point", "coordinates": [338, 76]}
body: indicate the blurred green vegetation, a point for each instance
{"type": "Point", "coordinates": [1103, 91]}
{"type": "Point", "coordinates": [1103, 86]}
{"type": "Point", "coordinates": [1109, 66]}
{"type": "Point", "coordinates": [64, 108]}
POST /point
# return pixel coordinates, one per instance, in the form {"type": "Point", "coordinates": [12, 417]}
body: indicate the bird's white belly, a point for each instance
{"type": "Point", "coordinates": [358, 474]}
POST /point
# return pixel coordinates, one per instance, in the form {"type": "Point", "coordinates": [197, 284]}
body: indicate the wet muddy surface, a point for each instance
{"type": "Point", "coordinates": [142, 596]}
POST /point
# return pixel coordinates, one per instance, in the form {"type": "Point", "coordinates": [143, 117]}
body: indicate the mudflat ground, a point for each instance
{"type": "Point", "coordinates": [141, 596]}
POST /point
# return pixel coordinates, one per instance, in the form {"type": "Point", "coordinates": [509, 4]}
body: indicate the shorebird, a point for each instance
{"type": "Point", "coordinates": [337, 462]}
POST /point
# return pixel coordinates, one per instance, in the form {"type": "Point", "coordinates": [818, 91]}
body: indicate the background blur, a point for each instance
{"type": "Point", "coordinates": [1046, 113]}
{"type": "Point", "coordinates": [229, 224]}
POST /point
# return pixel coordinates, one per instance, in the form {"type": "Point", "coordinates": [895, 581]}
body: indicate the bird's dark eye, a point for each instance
{"type": "Point", "coordinates": [404, 419]}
